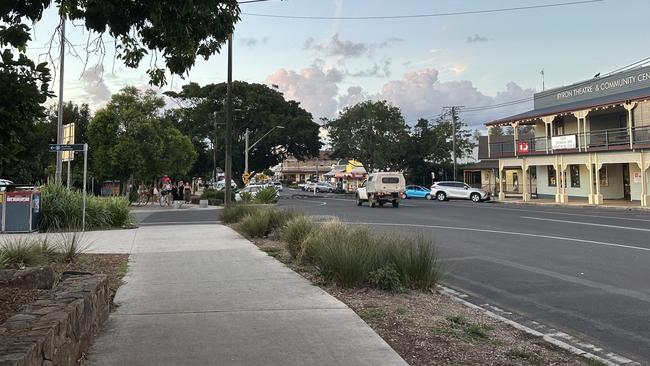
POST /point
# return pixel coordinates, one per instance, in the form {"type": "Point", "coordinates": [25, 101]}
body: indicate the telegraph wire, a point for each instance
{"type": "Point", "coordinates": [432, 15]}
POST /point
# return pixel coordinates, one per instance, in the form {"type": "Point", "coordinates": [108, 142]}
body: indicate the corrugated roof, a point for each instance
{"type": "Point", "coordinates": [576, 106]}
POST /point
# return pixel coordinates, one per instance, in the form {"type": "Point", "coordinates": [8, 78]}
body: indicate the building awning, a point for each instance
{"type": "Point", "coordinates": [572, 107]}
{"type": "Point", "coordinates": [485, 164]}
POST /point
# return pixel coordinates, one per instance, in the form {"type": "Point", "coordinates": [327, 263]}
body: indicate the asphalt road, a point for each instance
{"type": "Point", "coordinates": [585, 272]}
{"type": "Point", "coordinates": [582, 271]}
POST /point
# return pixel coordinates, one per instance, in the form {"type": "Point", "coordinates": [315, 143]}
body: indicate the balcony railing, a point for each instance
{"type": "Point", "coordinates": [612, 139]}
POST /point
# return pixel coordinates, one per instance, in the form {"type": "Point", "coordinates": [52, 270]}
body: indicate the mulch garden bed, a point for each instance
{"type": "Point", "coordinates": [430, 328]}
{"type": "Point", "coordinates": [114, 265]}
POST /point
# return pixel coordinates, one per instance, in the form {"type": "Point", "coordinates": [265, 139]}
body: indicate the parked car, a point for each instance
{"type": "Point", "coordinates": [4, 183]}
{"type": "Point", "coordinates": [382, 188]}
{"type": "Point", "coordinates": [248, 189]}
{"type": "Point", "coordinates": [220, 185]}
{"type": "Point", "coordinates": [458, 190]}
{"type": "Point", "coordinates": [320, 187]}
{"type": "Point", "coordinates": [417, 192]}
{"type": "Point", "coordinates": [278, 186]}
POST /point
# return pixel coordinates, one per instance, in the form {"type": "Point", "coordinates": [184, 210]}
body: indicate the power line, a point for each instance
{"type": "Point", "coordinates": [637, 64]}
{"type": "Point", "coordinates": [431, 15]}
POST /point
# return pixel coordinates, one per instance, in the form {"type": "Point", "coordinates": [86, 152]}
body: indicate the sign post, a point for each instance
{"type": "Point", "coordinates": [56, 148]}
{"type": "Point", "coordinates": [68, 156]}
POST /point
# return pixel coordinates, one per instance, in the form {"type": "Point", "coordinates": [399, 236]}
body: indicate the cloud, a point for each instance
{"type": "Point", "coordinates": [252, 42]}
{"type": "Point", "coordinates": [476, 38]}
{"type": "Point", "coordinates": [314, 88]}
{"type": "Point", "coordinates": [94, 86]}
{"type": "Point", "coordinates": [376, 70]}
{"type": "Point", "coordinates": [335, 46]}
{"type": "Point", "coordinates": [419, 94]}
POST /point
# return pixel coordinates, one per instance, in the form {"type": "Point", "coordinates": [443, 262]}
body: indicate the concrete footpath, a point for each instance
{"type": "Point", "coordinates": [203, 295]}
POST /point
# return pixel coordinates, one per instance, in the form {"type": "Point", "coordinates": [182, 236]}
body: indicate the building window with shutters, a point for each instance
{"type": "Point", "coordinates": [574, 171]}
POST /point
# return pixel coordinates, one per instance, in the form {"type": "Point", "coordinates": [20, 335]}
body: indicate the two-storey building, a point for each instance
{"type": "Point", "coordinates": [591, 142]}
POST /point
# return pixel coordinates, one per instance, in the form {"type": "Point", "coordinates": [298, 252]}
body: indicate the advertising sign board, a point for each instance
{"type": "Point", "coordinates": [563, 142]}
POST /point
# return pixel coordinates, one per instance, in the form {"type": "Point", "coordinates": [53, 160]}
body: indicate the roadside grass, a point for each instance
{"type": "Point", "coordinates": [267, 195]}
{"type": "Point", "coordinates": [529, 357]}
{"type": "Point", "coordinates": [349, 256]}
{"type": "Point", "coordinates": [294, 233]}
{"type": "Point", "coordinates": [462, 326]}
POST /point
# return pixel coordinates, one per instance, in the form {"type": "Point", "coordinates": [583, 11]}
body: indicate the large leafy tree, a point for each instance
{"type": "Point", "coordinates": [131, 138]}
{"type": "Point", "coordinates": [257, 108]}
{"type": "Point", "coordinates": [373, 132]}
{"type": "Point", "coordinates": [430, 148]}
{"type": "Point", "coordinates": [175, 31]}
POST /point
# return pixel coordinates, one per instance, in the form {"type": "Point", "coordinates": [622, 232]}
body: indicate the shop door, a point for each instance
{"type": "Point", "coordinates": [626, 181]}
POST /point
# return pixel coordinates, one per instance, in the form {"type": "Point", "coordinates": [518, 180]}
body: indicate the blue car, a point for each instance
{"type": "Point", "coordinates": [417, 192]}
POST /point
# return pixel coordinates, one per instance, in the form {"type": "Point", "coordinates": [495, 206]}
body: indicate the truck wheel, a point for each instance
{"type": "Point", "coordinates": [395, 203]}
{"type": "Point", "coordinates": [371, 200]}
{"type": "Point", "coordinates": [359, 201]}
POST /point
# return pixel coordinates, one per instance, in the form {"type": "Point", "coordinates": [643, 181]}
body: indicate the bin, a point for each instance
{"type": "Point", "coordinates": [22, 211]}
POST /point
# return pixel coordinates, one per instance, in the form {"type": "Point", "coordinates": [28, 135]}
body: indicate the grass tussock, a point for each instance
{"type": "Point", "coordinates": [294, 233]}
{"type": "Point", "coordinates": [267, 195]}
{"type": "Point", "coordinates": [62, 208]}
{"type": "Point", "coordinates": [24, 252]}
{"type": "Point", "coordinates": [348, 255]}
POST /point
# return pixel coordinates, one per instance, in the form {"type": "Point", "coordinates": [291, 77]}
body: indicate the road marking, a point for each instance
{"type": "Point", "coordinates": [586, 223]}
{"type": "Point", "coordinates": [505, 233]}
{"type": "Point", "coordinates": [543, 212]}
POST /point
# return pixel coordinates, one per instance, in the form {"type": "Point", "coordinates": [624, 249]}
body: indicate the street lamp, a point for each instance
{"type": "Point", "coordinates": [255, 143]}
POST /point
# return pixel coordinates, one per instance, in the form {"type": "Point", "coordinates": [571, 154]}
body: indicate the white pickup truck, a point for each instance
{"type": "Point", "coordinates": [382, 188]}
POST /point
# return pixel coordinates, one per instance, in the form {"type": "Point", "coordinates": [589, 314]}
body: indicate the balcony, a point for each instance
{"type": "Point", "coordinates": [605, 140]}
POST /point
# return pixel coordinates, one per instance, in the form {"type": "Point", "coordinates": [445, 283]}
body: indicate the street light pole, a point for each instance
{"type": "Point", "coordinates": [228, 164]}
{"type": "Point", "coordinates": [214, 151]}
{"type": "Point", "coordinates": [247, 148]}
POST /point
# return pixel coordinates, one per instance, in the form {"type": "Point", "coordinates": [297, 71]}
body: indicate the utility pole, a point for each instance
{"type": "Point", "coordinates": [453, 131]}
{"type": "Point", "coordinates": [59, 129]}
{"type": "Point", "coordinates": [246, 153]}
{"type": "Point", "coordinates": [228, 164]}
{"type": "Point", "coordinates": [214, 151]}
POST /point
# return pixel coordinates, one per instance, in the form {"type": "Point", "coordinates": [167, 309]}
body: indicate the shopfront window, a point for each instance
{"type": "Point", "coordinates": [574, 171]}
{"type": "Point", "coordinates": [552, 178]}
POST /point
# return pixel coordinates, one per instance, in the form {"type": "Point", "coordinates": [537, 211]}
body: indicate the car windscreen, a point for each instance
{"type": "Point", "coordinates": [390, 180]}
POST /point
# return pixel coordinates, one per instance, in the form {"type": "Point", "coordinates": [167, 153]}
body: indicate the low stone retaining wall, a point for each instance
{"type": "Point", "coordinates": [59, 326]}
{"type": "Point", "coordinates": [32, 277]}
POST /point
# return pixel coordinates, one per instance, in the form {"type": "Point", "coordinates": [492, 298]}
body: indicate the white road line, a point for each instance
{"type": "Point", "coordinates": [505, 233]}
{"type": "Point", "coordinates": [586, 223]}
{"type": "Point", "coordinates": [545, 212]}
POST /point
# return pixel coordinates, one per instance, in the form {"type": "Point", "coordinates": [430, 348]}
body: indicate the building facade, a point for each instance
{"type": "Point", "coordinates": [591, 142]}
{"type": "Point", "coordinates": [299, 171]}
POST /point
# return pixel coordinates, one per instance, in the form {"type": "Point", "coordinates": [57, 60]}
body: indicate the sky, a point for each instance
{"type": "Point", "coordinates": [417, 64]}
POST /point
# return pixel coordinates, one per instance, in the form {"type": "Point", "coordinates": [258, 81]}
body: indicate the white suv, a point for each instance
{"type": "Point", "coordinates": [458, 190]}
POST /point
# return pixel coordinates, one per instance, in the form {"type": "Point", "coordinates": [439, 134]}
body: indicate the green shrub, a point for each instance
{"type": "Point", "coordinates": [343, 255]}
{"type": "Point", "coordinates": [412, 256]}
{"type": "Point", "coordinates": [246, 197]}
{"type": "Point", "coordinates": [267, 195]}
{"type": "Point", "coordinates": [235, 213]}
{"type": "Point", "coordinates": [62, 209]}
{"type": "Point", "coordinates": [256, 224]}
{"type": "Point", "coordinates": [386, 278]}
{"type": "Point", "coordinates": [294, 232]}
{"type": "Point", "coordinates": [261, 221]}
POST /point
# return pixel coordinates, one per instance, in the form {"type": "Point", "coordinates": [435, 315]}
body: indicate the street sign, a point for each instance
{"type": "Point", "coordinates": [65, 147]}
{"type": "Point", "coordinates": [246, 177]}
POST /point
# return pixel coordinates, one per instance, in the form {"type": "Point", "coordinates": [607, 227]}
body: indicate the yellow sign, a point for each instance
{"type": "Point", "coordinates": [246, 177]}
{"type": "Point", "coordinates": [352, 164]}
{"type": "Point", "coordinates": [68, 138]}
{"type": "Point", "coordinates": [2, 195]}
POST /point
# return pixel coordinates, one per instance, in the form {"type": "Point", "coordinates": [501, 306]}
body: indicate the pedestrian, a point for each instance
{"type": "Point", "coordinates": [187, 193]}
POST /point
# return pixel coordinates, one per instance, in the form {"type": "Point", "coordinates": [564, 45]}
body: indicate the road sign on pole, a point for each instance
{"type": "Point", "coordinates": [57, 148]}
{"type": "Point", "coordinates": [65, 147]}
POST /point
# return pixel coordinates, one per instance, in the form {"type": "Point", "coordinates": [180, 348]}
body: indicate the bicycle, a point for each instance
{"type": "Point", "coordinates": [164, 199]}
{"type": "Point", "coordinates": [143, 199]}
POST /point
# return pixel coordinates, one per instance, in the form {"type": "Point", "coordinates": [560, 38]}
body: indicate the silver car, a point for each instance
{"type": "Point", "coordinates": [458, 190]}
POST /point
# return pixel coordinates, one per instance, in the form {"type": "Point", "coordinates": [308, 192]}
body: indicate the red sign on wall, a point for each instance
{"type": "Point", "coordinates": [523, 147]}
